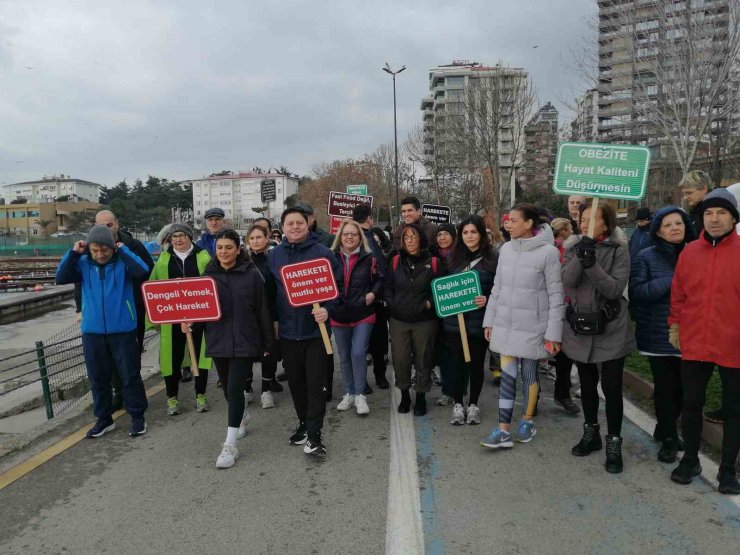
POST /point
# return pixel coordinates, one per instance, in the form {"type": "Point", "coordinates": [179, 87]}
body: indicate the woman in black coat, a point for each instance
{"type": "Point", "coordinates": [241, 337]}
{"type": "Point", "coordinates": [472, 251]}
{"type": "Point", "coordinates": [650, 294]}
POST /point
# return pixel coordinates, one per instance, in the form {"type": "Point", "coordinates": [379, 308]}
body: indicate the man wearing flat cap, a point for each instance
{"type": "Point", "coordinates": [214, 218]}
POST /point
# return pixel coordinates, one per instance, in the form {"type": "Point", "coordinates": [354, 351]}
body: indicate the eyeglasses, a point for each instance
{"type": "Point", "coordinates": [179, 236]}
{"type": "Point", "coordinates": [350, 234]}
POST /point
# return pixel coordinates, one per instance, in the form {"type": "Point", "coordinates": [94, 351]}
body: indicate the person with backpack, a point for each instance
{"type": "Point", "coordinates": [353, 321]}
{"type": "Point", "coordinates": [413, 322]}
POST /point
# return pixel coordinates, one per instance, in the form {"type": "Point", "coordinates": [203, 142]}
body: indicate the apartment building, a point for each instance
{"type": "Point", "coordinates": [49, 189]}
{"type": "Point", "coordinates": [540, 149]}
{"type": "Point", "coordinates": [585, 125]}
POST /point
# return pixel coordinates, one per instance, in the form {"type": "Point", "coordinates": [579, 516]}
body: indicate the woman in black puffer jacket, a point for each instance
{"type": "Point", "coordinates": [352, 322]}
{"type": "Point", "coordinates": [413, 322]}
{"type": "Point", "coordinates": [650, 293]}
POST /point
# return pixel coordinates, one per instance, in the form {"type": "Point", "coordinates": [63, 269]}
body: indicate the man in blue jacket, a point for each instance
{"type": "Point", "coordinates": [304, 355]}
{"type": "Point", "coordinates": [641, 238]}
{"type": "Point", "coordinates": [109, 318]}
{"type": "Point", "coordinates": [214, 218]}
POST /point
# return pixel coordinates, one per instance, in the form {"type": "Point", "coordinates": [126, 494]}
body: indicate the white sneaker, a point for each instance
{"type": "Point", "coordinates": [347, 402]}
{"type": "Point", "coordinates": [267, 401]}
{"type": "Point", "coordinates": [228, 456]}
{"type": "Point", "coordinates": [248, 398]}
{"type": "Point", "coordinates": [444, 400]}
{"type": "Point", "coordinates": [243, 426]}
{"type": "Point", "coordinates": [458, 415]}
{"type": "Point", "coordinates": [361, 404]}
{"type": "Point", "coordinates": [473, 414]}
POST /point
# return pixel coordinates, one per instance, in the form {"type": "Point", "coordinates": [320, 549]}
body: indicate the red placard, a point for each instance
{"type": "Point", "coordinates": [309, 282]}
{"type": "Point", "coordinates": [334, 223]}
{"type": "Point", "coordinates": [341, 204]}
{"type": "Point", "coordinates": [171, 301]}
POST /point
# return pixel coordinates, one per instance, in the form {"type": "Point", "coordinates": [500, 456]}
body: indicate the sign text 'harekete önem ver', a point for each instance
{"type": "Point", "coordinates": [456, 294]}
{"type": "Point", "coordinates": [309, 282]}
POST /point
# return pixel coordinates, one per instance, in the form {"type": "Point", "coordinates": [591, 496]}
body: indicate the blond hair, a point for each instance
{"type": "Point", "coordinates": [558, 225]}
{"type": "Point", "coordinates": [696, 179]}
{"type": "Point", "coordinates": [338, 237]}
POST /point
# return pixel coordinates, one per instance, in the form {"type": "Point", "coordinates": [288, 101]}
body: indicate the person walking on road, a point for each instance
{"type": "Point", "coordinates": [442, 249]}
{"type": "Point", "coordinates": [304, 354]}
{"type": "Point", "coordinates": [472, 251]}
{"type": "Point", "coordinates": [182, 259]}
{"type": "Point", "coordinates": [524, 317]}
{"type": "Point", "coordinates": [650, 293]}
{"type": "Point", "coordinates": [595, 274]}
{"type": "Point", "coordinates": [214, 218]}
{"type": "Point", "coordinates": [109, 345]}
{"type": "Point", "coordinates": [413, 322]}
{"type": "Point", "coordinates": [353, 321]}
{"type": "Point", "coordinates": [242, 336]}
{"type": "Point", "coordinates": [703, 325]}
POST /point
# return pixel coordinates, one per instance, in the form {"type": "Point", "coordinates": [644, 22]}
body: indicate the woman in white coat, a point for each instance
{"type": "Point", "coordinates": [524, 317]}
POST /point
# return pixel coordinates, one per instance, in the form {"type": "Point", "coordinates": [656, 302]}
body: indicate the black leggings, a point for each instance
{"type": "Point", "coordinates": [668, 394]}
{"type": "Point", "coordinates": [233, 375]}
{"type": "Point", "coordinates": [179, 344]}
{"type": "Point", "coordinates": [464, 371]}
{"type": "Point", "coordinates": [172, 382]}
{"type": "Point", "coordinates": [563, 366]}
{"type": "Point", "coordinates": [611, 385]}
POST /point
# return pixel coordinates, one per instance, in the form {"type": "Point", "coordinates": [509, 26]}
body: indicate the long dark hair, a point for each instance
{"type": "Point", "coordinates": [458, 257]}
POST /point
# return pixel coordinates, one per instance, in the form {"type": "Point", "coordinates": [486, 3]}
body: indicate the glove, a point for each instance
{"type": "Point", "coordinates": [673, 337]}
{"type": "Point", "coordinates": [586, 252]}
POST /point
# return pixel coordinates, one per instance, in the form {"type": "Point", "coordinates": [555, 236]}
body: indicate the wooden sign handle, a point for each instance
{"type": "Point", "coordinates": [324, 333]}
{"type": "Point", "coordinates": [464, 337]}
{"type": "Point", "coordinates": [592, 217]}
{"type": "Point", "coordinates": [193, 356]}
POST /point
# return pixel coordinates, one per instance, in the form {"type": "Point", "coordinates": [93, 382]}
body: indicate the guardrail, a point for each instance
{"type": "Point", "coordinates": [57, 365]}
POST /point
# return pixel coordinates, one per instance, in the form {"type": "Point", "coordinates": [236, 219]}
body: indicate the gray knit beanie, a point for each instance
{"type": "Point", "coordinates": [101, 235]}
{"type": "Point", "coordinates": [181, 228]}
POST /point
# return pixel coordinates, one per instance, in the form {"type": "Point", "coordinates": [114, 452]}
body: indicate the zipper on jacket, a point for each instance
{"type": "Point", "coordinates": [711, 288]}
{"type": "Point", "coordinates": [102, 295]}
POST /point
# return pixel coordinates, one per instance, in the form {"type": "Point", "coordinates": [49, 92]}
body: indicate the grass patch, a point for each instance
{"type": "Point", "coordinates": [639, 365]}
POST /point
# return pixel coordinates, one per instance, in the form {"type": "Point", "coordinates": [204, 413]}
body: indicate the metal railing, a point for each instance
{"type": "Point", "coordinates": [57, 365]}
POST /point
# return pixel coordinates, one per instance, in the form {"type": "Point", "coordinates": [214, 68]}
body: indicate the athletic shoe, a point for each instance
{"type": "Point", "coordinates": [281, 377]}
{"type": "Point", "coordinates": [498, 439]}
{"type": "Point", "coordinates": [568, 405]}
{"type": "Point", "coordinates": [361, 405]}
{"type": "Point", "coordinates": [436, 377]}
{"type": "Point", "coordinates": [715, 416]}
{"type": "Point", "coordinates": [248, 397]}
{"type": "Point", "coordinates": [685, 471]}
{"type": "Point", "coordinates": [473, 415]}
{"type": "Point", "coordinates": [266, 400]}
{"type": "Point", "coordinates": [443, 400]}
{"type": "Point", "coordinates": [382, 383]}
{"type": "Point", "coordinates": [275, 386]}
{"type": "Point", "coordinates": [228, 456]}
{"type": "Point", "coordinates": [458, 415]}
{"type": "Point", "coordinates": [314, 448]}
{"type": "Point", "coordinates": [138, 427]}
{"type": "Point", "coordinates": [526, 431]}
{"type": "Point", "coordinates": [728, 483]}
{"type": "Point", "coordinates": [201, 403]}
{"type": "Point", "coordinates": [243, 426]}
{"type": "Point", "coordinates": [347, 402]}
{"type": "Point", "coordinates": [102, 426]}
{"type": "Point", "coordinates": [300, 435]}
{"type": "Point", "coordinates": [173, 406]}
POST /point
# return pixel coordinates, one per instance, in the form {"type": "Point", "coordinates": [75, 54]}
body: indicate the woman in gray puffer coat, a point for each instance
{"type": "Point", "coordinates": [595, 274]}
{"type": "Point", "coordinates": [524, 317]}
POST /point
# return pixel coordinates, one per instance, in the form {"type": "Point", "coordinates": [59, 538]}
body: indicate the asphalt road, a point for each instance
{"type": "Point", "coordinates": [161, 493]}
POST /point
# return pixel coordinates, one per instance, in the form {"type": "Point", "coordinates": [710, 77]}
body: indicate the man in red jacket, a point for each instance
{"type": "Point", "coordinates": [703, 326]}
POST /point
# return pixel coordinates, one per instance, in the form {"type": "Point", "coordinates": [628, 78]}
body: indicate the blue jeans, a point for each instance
{"type": "Point", "coordinates": [108, 353]}
{"type": "Point", "coordinates": [352, 346]}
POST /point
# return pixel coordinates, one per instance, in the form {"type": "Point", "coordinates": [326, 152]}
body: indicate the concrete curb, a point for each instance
{"type": "Point", "coordinates": [711, 432]}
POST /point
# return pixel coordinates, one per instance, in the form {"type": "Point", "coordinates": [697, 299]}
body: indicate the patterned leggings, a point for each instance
{"type": "Point", "coordinates": [510, 367]}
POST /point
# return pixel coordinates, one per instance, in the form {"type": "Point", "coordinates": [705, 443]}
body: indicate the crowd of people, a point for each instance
{"type": "Point", "coordinates": [552, 289]}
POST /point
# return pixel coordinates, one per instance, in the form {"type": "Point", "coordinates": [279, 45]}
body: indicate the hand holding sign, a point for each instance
{"type": "Point", "coordinates": [457, 294]}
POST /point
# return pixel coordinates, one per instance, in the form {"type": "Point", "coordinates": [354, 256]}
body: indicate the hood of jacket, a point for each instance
{"type": "Point", "coordinates": [662, 213]}
{"type": "Point", "coordinates": [617, 237]}
{"type": "Point", "coordinates": [543, 236]}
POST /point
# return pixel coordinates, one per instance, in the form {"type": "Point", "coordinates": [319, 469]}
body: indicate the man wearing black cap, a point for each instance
{"type": "Point", "coordinates": [324, 237]}
{"type": "Point", "coordinates": [641, 237]}
{"type": "Point", "coordinates": [214, 218]}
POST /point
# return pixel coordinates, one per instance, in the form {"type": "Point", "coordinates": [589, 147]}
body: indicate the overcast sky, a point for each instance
{"type": "Point", "coordinates": [105, 90]}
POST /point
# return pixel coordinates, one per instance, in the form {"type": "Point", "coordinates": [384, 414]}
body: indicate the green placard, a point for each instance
{"type": "Point", "coordinates": [602, 170]}
{"type": "Point", "coordinates": [455, 294]}
{"type": "Point", "coordinates": [357, 189]}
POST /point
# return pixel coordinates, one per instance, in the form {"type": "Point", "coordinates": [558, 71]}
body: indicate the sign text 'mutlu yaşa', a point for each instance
{"type": "Point", "coordinates": [309, 282]}
{"type": "Point", "coordinates": [602, 170]}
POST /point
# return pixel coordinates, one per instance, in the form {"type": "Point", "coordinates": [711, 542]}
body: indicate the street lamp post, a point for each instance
{"type": "Point", "coordinates": [388, 70]}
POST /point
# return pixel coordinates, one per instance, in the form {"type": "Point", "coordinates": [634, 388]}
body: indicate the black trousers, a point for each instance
{"type": "Point", "coordinates": [465, 372]}
{"type": "Point", "coordinates": [305, 362]}
{"type": "Point", "coordinates": [611, 385]}
{"type": "Point", "coordinates": [695, 376]}
{"type": "Point", "coordinates": [668, 394]}
{"type": "Point", "coordinates": [563, 367]}
{"type": "Point", "coordinates": [269, 368]}
{"type": "Point", "coordinates": [233, 374]}
{"type": "Point", "coordinates": [179, 344]}
{"type": "Point", "coordinates": [378, 347]}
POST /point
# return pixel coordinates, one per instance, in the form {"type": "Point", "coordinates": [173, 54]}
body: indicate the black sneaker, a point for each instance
{"type": "Point", "coordinates": [382, 383]}
{"type": "Point", "coordinates": [137, 428]}
{"type": "Point", "coordinates": [668, 451]}
{"type": "Point", "coordinates": [728, 483]}
{"type": "Point", "coordinates": [300, 435]}
{"type": "Point", "coordinates": [716, 416]}
{"type": "Point", "coordinates": [314, 448]}
{"type": "Point", "coordinates": [685, 471]}
{"type": "Point", "coordinates": [275, 386]}
{"type": "Point", "coordinates": [568, 405]}
{"type": "Point", "coordinates": [102, 426]}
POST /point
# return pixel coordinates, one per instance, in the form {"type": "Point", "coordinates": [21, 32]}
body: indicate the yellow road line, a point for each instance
{"type": "Point", "coordinates": [29, 465]}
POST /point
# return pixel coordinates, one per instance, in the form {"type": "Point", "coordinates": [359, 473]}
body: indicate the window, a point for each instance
{"type": "Point", "coordinates": [455, 81]}
{"type": "Point", "coordinates": [33, 213]}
